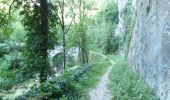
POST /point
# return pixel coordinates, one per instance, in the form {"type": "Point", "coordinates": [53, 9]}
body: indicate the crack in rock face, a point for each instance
{"type": "Point", "coordinates": [166, 43]}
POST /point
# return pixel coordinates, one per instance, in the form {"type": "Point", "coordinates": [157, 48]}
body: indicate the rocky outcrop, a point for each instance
{"type": "Point", "coordinates": [120, 29]}
{"type": "Point", "coordinates": [150, 45]}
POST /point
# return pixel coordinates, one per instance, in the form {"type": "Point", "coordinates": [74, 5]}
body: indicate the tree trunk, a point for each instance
{"type": "Point", "coordinates": [64, 49]}
{"type": "Point", "coordinates": [44, 42]}
{"type": "Point", "coordinates": [83, 44]}
{"type": "Point", "coordinates": [64, 35]}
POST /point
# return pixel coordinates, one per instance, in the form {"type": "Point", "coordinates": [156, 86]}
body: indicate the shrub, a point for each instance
{"type": "Point", "coordinates": [3, 50]}
{"type": "Point", "coordinates": [112, 44]}
{"type": "Point", "coordinates": [59, 87]}
{"type": "Point", "coordinates": [8, 76]}
{"type": "Point", "coordinates": [71, 62]}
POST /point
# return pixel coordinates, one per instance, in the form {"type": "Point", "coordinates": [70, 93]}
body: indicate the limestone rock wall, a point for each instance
{"type": "Point", "coordinates": [120, 29]}
{"type": "Point", "coordinates": [150, 45]}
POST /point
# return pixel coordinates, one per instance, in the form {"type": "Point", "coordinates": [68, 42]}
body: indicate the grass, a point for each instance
{"type": "Point", "coordinates": [127, 85]}
{"type": "Point", "coordinates": [91, 79]}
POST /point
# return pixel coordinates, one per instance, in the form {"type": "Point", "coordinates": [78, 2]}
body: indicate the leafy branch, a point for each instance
{"type": "Point", "coordinates": [8, 14]}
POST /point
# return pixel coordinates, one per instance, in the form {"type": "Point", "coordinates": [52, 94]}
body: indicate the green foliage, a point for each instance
{"type": "Point", "coordinates": [110, 13]}
{"type": "Point", "coordinates": [12, 38]}
{"type": "Point", "coordinates": [73, 85]}
{"type": "Point", "coordinates": [10, 63]}
{"type": "Point", "coordinates": [9, 71]}
{"type": "Point", "coordinates": [19, 33]}
{"type": "Point", "coordinates": [79, 31]}
{"type": "Point", "coordinates": [37, 43]}
{"type": "Point", "coordinates": [71, 62]}
{"type": "Point", "coordinates": [101, 29]}
{"type": "Point", "coordinates": [127, 85]}
{"type": "Point", "coordinates": [3, 50]}
{"type": "Point", "coordinates": [63, 86]}
{"type": "Point", "coordinates": [112, 44]}
{"type": "Point", "coordinates": [7, 19]}
{"type": "Point", "coordinates": [91, 78]}
{"type": "Point", "coordinates": [5, 32]}
{"type": "Point", "coordinates": [6, 83]}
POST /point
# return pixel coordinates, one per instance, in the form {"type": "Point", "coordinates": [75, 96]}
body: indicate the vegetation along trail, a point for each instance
{"type": "Point", "coordinates": [101, 92]}
{"type": "Point", "coordinates": [84, 50]}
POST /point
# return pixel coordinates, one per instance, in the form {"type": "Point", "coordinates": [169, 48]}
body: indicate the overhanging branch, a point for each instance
{"type": "Point", "coordinates": [9, 12]}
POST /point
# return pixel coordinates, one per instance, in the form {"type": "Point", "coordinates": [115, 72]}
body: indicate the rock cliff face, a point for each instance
{"type": "Point", "coordinates": [150, 45]}
{"type": "Point", "coordinates": [121, 6]}
{"type": "Point", "coordinates": [120, 29]}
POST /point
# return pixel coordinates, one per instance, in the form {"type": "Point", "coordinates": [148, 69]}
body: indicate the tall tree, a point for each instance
{"type": "Point", "coordinates": [44, 42]}
{"type": "Point", "coordinates": [61, 4]}
{"type": "Point", "coordinates": [83, 44]}
{"type": "Point", "coordinates": [39, 23]}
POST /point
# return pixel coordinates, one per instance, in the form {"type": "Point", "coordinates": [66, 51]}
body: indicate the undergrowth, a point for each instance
{"type": "Point", "coordinates": [73, 85]}
{"type": "Point", "coordinates": [127, 85]}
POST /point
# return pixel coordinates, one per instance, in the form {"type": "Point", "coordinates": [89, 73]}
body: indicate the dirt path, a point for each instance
{"type": "Point", "coordinates": [101, 92]}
